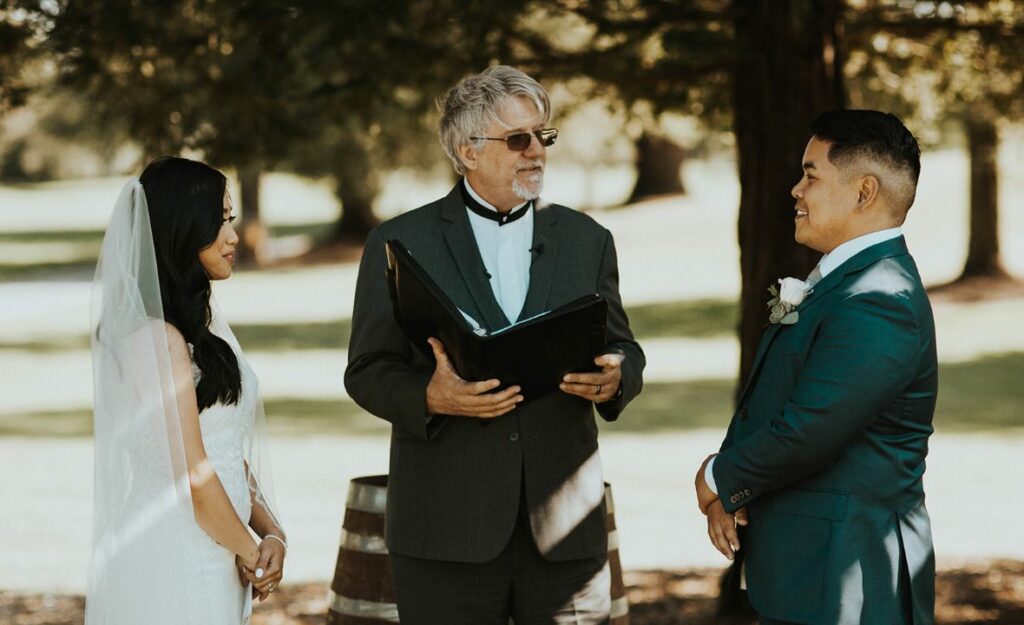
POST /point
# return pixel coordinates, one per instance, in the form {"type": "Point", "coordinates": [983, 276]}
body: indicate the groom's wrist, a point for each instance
{"type": "Point", "coordinates": [707, 504]}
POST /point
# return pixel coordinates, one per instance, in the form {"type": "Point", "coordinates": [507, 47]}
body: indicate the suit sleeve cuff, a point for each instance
{"type": "Point", "coordinates": [709, 476]}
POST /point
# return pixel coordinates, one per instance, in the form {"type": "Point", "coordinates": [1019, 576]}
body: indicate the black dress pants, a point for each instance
{"type": "Point", "coordinates": [519, 584]}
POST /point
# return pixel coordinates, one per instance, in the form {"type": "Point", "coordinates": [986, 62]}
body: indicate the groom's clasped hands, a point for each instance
{"type": "Point", "coordinates": [721, 524]}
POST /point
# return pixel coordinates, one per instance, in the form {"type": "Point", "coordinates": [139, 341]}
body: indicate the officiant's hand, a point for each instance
{"type": "Point", "coordinates": [449, 394]}
{"type": "Point", "coordinates": [597, 387]}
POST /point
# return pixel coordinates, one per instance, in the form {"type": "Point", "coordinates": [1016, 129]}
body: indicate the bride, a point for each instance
{"type": "Point", "coordinates": [181, 471]}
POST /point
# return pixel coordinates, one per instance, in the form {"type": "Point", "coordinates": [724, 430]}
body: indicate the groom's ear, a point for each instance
{"type": "Point", "coordinates": [867, 192]}
{"type": "Point", "coordinates": [468, 156]}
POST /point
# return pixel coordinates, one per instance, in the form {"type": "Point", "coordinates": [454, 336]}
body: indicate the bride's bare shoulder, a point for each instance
{"type": "Point", "coordinates": [176, 342]}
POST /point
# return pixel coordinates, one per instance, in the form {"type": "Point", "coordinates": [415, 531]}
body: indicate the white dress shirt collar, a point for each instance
{"type": "Point", "coordinates": [485, 203]}
{"type": "Point", "coordinates": [505, 250]}
{"type": "Point", "coordinates": [844, 252]}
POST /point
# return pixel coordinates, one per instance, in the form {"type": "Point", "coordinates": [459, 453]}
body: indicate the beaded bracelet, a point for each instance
{"type": "Point", "coordinates": [278, 539]}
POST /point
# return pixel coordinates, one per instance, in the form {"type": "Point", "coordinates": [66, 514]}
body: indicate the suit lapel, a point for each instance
{"type": "Point", "coordinates": [463, 247]}
{"type": "Point", "coordinates": [866, 258]}
{"type": "Point", "coordinates": [542, 267]}
{"type": "Point", "coordinates": [762, 349]}
{"type": "Point", "coordinates": [873, 254]}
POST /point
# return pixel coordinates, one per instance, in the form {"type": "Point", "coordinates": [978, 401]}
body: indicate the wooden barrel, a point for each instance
{"type": "Point", "coordinates": [620, 602]}
{"type": "Point", "coordinates": [363, 592]}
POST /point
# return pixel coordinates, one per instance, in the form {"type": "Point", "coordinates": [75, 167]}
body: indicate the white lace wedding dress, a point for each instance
{"type": "Point", "coordinates": [151, 563]}
{"type": "Point", "coordinates": [225, 428]}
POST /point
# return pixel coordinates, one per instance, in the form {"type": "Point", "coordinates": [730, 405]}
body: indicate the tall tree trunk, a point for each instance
{"type": "Point", "coordinates": [252, 233]}
{"type": "Point", "coordinates": [658, 165]}
{"type": "Point", "coordinates": [357, 218]}
{"type": "Point", "coordinates": [788, 72]}
{"type": "Point", "coordinates": [983, 250]}
{"type": "Point", "coordinates": [357, 184]}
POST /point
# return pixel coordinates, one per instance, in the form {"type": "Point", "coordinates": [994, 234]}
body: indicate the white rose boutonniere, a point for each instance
{"type": "Point", "coordinates": [785, 298]}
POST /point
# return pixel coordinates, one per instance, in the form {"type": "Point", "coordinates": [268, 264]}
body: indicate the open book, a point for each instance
{"type": "Point", "coordinates": [534, 353]}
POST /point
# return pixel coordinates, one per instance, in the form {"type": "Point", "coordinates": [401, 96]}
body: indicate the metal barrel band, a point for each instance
{"type": "Point", "coordinates": [363, 542]}
{"type": "Point", "coordinates": [613, 540]}
{"type": "Point", "coordinates": [363, 609]}
{"type": "Point", "coordinates": [366, 498]}
{"type": "Point", "coordinates": [620, 607]}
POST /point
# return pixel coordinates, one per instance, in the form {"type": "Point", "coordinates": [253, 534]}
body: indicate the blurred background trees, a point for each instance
{"type": "Point", "coordinates": [346, 92]}
{"type": "Point", "coordinates": [957, 64]}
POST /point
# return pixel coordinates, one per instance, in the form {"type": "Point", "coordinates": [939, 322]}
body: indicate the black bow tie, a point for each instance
{"type": "Point", "coordinates": [487, 213]}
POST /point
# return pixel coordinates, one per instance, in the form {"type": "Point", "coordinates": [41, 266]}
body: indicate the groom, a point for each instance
{"type": "Point", "coordinates": [823, 461]}
{"type": "Point", "coordinates": [495, 507]}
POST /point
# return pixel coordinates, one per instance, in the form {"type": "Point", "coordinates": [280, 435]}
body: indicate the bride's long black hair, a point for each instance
{"type": "Point", "coordinates": [186, 212]}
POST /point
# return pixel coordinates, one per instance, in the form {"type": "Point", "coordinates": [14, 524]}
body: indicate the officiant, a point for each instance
{"type": "Point", "coordinates": [495, 506]}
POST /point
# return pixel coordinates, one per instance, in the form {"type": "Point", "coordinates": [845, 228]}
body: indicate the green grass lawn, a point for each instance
{"type": "Point", "coordinates": [984, 394]}
{"type": "Point", "coordinates": [48, 270]}
{"type": "Point", "coordinates": [316, 230]}
{"type": "Point", "coordinates": [293, 336]}
{"type": "Point", "coordinates": [87, 246]}
{"type": "Point", "coordinates": [696, 319]}
{"type": "Point", "coordinates": [689, 318]}
{"type": "Point", "coordinates": [53, 236]}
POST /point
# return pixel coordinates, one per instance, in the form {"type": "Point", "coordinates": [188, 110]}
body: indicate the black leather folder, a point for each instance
{"type": "Point", "coordinates": [534, 353]}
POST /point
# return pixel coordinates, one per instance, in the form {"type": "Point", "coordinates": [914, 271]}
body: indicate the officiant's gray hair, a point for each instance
{"type": "Point", "coordinates": [471, 105]}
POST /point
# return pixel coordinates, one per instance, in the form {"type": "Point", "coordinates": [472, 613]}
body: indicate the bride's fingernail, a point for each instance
{"type": "Point", "coordinates": [259, 573]}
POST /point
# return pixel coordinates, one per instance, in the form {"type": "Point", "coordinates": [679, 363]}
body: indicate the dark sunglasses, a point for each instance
{"type": "Point", "coordinates": [521, 140]}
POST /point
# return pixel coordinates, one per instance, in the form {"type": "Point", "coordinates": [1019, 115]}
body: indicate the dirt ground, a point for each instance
{"type": "Point", "coordinates": [991, 594]}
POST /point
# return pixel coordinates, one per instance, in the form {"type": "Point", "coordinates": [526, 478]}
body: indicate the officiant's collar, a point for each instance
{"type": "Point", "coordinates": [486, 210]}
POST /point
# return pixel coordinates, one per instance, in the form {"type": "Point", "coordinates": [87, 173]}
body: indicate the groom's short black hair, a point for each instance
{"type": "Point", "coordinates": [877, 138]}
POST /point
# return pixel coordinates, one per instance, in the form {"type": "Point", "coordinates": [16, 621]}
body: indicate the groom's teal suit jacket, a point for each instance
{"type": "Point", "coordinates": [827, 450]}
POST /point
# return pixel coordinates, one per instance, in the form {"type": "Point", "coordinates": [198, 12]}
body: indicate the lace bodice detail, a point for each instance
{"type": "Point", "coordinates": [227, 430]}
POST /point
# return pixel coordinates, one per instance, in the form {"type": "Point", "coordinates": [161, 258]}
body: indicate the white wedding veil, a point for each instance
{"type": "Point", "coordinates": [143, 520]}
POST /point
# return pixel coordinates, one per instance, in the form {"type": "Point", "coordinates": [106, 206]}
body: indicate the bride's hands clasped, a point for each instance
{"type": "Point", "coordinates": [267, 572]}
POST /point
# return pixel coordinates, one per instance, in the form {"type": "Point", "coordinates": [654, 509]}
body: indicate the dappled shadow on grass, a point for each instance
{"type": "Point", "coordinates": [985, 394]}
{"type": "Point", "coordinates": [664, 406]}
{"type": "Point", "coordinates": [661, 407]}
{"type": "Point", "coordinates": [73, 270]}
{"type": "Point", "coordinates": [297, 417]}
{"type": "Point", "coordinates": [56, 423]}
{"type": "Point", "coordinates": [53, 236]}
{"type": "Point", "coordinates": [82, 268]}
{"type": "Point", "coordinates": [255, 337]}
{"type": "Point", "coordinates": [686, 318]}
{"type": "Point", "coordinates": [990, 592]}
{"type": "Point", "coordinates": [692, 319]}
{"type": "Point", "coordinates": [317, 229]}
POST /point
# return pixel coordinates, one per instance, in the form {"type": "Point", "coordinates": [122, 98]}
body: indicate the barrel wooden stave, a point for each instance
{"type": "Point", "coordinates": [362, 591]}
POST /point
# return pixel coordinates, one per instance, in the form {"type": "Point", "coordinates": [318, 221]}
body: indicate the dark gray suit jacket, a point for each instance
{"type": "Point", "coordinates": [827, 449]}
{"type": "Point", "coordinates": [455, 482]}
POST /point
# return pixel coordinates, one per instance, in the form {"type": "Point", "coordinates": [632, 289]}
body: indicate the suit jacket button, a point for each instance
{"type": "Point", "coordinates": [746, 492]}
{"type": "Point", "coordinates": [743, 413]}
{"type": "Point", "coordinates": [734, 498]}
{"type": "Point", "coordinates": [514, 437]}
